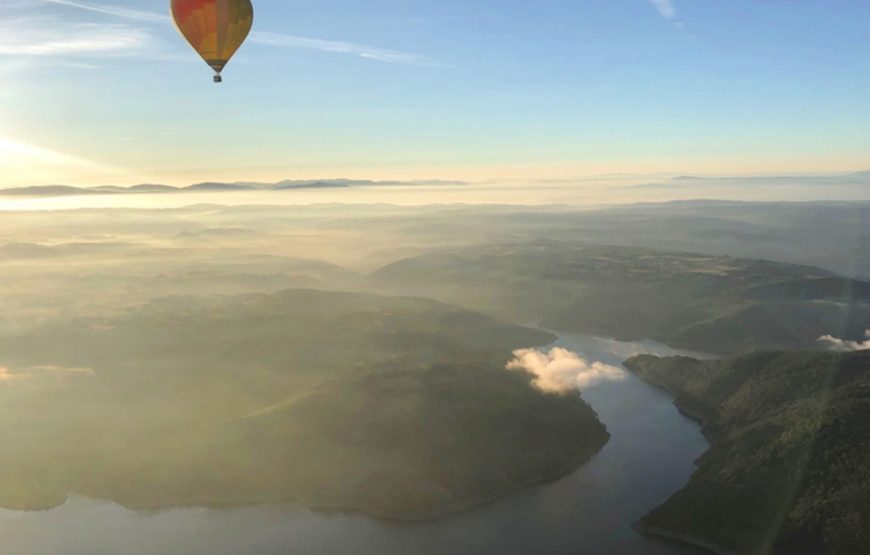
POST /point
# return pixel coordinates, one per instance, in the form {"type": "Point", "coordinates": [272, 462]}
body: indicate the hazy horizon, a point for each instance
{"type": "Point", "coordinates": [582, 193]}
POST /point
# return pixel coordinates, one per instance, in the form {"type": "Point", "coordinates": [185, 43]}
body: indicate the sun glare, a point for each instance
{"type": "Point", "coordinates": [27, 164]}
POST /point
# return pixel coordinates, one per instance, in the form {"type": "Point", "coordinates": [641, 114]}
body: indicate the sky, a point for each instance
{"type": "Point", "coordinates": [96, 92]}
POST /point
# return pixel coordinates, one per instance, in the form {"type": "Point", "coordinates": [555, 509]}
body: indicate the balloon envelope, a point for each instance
{"type": "Point", "coordinates": [215, 28]}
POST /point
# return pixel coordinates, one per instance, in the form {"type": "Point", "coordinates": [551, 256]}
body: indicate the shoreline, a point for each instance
{"type": "Point", "coordinates": [406, 518]}
{"type": "Point", "coordinates": [685, 411]}
{"type": "Point", "coordinates": [664, 533]}
{"type": "Point", "coordinates": [685, 539]}
{"type": "Point", "coordinates": [327, 508]}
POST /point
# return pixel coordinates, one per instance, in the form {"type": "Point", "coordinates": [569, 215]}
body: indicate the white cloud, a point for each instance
{"type": "Point", "coordinates": [117, 11]}
{"type": "Point", "coordinates": [53, 38]}
{"type": "Point", "coordinates": [845, 345]}
{"type": "Point", "coordinates": [339, 47]}
{"type": "Point", "coordinates": [562, 371]}
{"type": "Point", "coordinates": [666, 8]}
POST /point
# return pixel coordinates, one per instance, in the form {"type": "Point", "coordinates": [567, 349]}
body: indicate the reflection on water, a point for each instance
{"type": "Point", "coordinates": [589, 512]}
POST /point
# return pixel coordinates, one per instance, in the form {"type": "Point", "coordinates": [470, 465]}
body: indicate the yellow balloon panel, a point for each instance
{"type": "Point", "coordinates": [214, 28]}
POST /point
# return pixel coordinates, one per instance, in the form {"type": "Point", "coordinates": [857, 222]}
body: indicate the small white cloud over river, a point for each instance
{"type": "Point", "coordinates": [562, 371]}
{"type": "Point", "coordinates": [845, 345]}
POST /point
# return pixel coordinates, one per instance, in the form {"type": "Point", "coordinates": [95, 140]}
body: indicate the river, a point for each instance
{"type": "Point", "coordinates": [589, 512]}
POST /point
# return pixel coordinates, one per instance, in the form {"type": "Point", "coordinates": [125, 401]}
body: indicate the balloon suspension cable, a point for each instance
{"type": "Point", "coordinates": [218, 78]}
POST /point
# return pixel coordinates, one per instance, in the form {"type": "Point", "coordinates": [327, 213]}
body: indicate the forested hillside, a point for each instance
{"type": "Point", "coordinates": [789, 470]}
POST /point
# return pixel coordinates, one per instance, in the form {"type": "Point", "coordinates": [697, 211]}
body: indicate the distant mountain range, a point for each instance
{"type": "Point", "coordinates": [686, 181]}
{"type": "Point", "coordinates": [152, 188]}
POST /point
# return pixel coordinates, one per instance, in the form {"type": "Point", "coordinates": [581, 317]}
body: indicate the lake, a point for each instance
{"type": "Point", "coordinates": [650, 456]}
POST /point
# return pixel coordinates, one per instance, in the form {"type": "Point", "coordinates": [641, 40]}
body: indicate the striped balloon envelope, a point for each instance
{"type": "Point", "coordinates": [214, 28]}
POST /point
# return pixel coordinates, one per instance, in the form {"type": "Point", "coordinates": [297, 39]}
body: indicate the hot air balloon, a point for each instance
{"type": "Point", "coordinates": [214, 28]}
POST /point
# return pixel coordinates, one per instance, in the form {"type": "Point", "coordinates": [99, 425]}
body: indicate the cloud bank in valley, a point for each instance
{"type": "Point", "coordinates": [845, 345]}
{"type": "Point", "coordinates": [54, 373]}
{"type": "Point", "coordinates": [562, 371]}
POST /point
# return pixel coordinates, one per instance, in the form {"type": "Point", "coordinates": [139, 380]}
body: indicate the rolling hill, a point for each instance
{"type": "Point", "coordinates": [397, 407]}
{"type": "Point", "coordinates": [789, 470]}
{"type": "Point", "coordinates": [708, 303]}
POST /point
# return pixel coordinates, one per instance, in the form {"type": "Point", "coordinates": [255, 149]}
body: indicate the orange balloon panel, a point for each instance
{"type": "Point", "coordinates": [215, 28]}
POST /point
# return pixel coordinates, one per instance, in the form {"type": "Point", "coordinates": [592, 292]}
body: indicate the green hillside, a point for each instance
{"type": "Point", "coordinates": [709, 303]}
{"type": "Point", "coordinates": [789, 470]}
{"type": "Point", "coordinates": [398, 407]}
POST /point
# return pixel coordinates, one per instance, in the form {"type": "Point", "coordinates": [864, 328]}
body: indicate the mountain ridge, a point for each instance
{"type": "Point", "coordinates": [214, 186]}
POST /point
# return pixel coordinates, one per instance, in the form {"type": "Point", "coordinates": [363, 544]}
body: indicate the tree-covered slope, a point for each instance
{"type": "Point", "coordinates": [789, 470]}
{"type": "Point", "coordinates": [709, 303]}
{"type": "Point", "coordinates": [398, 407]}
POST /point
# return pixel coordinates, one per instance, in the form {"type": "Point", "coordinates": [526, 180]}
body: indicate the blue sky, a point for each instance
{"type": "Point", "coordinates": [107, 92]}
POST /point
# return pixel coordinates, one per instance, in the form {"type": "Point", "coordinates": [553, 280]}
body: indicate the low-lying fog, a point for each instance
{"type": "Point", "coordinates": [582, 192]}
{"type": "Point", "coordinates": [386, 358]}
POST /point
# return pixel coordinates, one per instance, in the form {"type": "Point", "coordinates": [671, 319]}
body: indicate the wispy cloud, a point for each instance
{"type": "Point", "coordinates": [53, 373]}
{"type": "Point", "coordinates": [845, 345]}
{"type": "Point", "coordinates": [12, 151]}
{"type": "Point", "coordinates": [339, 47]}
{"type": "Point", "coordinates": [19, 64]}
{"type": "Point", "coordinates": [23, 159]}
{"type": "Point", "coordinates": [41, 37]}
{"type": "Point", "coordinates": [117, 11]}
{"type": "Point", "coordinates": [666, 8]}
{"type": "Point", "coordinates": [265, 38]}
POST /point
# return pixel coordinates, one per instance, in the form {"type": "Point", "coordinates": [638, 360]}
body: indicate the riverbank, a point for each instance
{"type": "Point", "coordinates": [685, 539]}
{"type": "Point", "coordinates": [787, 470]}
{"type": "Point", "coordinates": [692, 409]}
{"type": "Point", "coordinates": [332, 508]}
{"type": "Point", "coordinates": [703, 416]}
